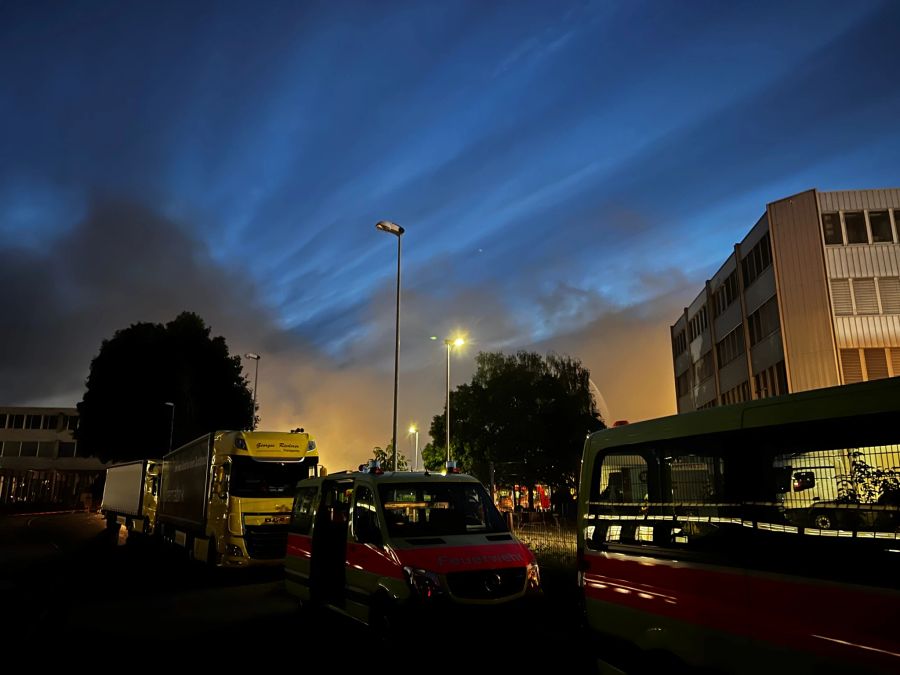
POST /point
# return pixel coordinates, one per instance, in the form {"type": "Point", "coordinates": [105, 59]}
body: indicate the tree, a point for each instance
{"type": "Point", "coordinates": [526, 414]}
{"type": "Point", "coordinates": [386, 457]}
{"type": "Point", "coordinates": [124, 413]}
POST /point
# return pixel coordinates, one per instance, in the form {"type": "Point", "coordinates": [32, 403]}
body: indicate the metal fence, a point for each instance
{"type": "Point", "coordinates": [552, 539]}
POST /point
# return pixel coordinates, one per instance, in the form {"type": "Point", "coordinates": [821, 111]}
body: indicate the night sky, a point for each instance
{"type": "Point", "coordinates": [568, 176]}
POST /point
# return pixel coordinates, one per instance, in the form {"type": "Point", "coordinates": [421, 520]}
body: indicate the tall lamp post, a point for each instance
{"type": "Point", "coordinates": [255, 357]}
{"type": "Point", "coordinates": [414, 430]}
{"type": "Point", "coordinates": [171, 423]}
{"type": "Point", "coordinates": [396, 230]}
{"type": "Point", "coordinates": [458, 342]}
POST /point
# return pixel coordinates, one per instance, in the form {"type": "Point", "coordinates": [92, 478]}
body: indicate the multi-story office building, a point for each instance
{"type": "Point", "coordinates": [810, 298]}
{"type": "Point", "coordinates": [39, 460]}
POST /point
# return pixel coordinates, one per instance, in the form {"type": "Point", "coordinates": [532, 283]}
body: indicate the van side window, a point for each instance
{"type": "Point", "coordinates": [365, 517]}
{"type": "Point", "coordinates": [304, 510]}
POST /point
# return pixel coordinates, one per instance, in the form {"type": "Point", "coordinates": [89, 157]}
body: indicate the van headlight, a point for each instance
{"type": "Point", "coordinates": [533, 577]}
{"type": "Point", "coordinates": [426, 584]}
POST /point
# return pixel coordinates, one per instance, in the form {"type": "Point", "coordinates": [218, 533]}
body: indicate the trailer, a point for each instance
{"type": "Point", "coordinates": [130, 496]}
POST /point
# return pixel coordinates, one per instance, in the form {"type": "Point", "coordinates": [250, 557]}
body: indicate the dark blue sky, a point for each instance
{"type": "Point", "coordinates": [568, 175]}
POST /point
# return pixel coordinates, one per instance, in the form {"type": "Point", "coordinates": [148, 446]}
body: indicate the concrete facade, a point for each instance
{"type": "Point", "coordinates": [809, 298]}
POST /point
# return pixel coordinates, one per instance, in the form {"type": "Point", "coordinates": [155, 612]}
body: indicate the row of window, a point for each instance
{"type": "Point", "coordinates": [704, 368]}
{"type": "Point", "coordinates": [698, 323]}
{"type": "Point", "coordinates": [50, 449]}
{"type": "Point", "coordinates": [54, 422]}
{"type": "Point", "coordinates": [866, 295]}
{"type": "Point", "coordinates": [764, 321]}
{"type": "Point", "coordinates": [731, 346]}
{"type": "Point", "coordinates": [683, 384]}
{"type": "Point", "coordinates": [757, 261]}
{"type": "Point", "coordinates": [725, 294]}
{"type": "Point", "coordinates": [679, 343]}
{"type": "Point", "coordinates": [737, 394]}
{"type": "Point", "coordinates": [875, 363]}
{"type": "Point", "coordinates": [771, 382]}
{"type": "Point", "coordinates": [860, 227]}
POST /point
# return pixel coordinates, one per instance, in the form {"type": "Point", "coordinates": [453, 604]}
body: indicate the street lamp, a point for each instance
{"type": "Point", "coordinates": [171, 423]}
{"type": "Point", "coordinates": [458, 342]}
{"type": "Point", "coordinates": [396, 230]}
{"type": "Point", "coordinates": [255, 357]}
{"type": "Point", "coordinates": [414, 430]}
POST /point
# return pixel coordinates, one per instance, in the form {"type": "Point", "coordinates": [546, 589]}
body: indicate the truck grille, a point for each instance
{"type": "Point", "coordinates": [487, 584]}
{"type": "Point", "coordinates": [266, 543]}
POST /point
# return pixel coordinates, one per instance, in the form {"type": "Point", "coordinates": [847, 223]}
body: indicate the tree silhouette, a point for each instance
{"type": "Point", "coordinates": [124, 413]}
{"type": "Point", "coordinates": [526, 413]}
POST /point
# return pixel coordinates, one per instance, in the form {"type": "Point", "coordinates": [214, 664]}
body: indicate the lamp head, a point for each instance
{"type": "Point", "coordinates": [388, 226]}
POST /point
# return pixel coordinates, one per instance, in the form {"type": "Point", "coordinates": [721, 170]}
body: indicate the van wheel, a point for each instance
{"type": "Point", "coordinates": [823, 520]}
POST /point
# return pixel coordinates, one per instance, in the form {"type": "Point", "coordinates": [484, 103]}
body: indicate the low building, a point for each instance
{"type": "Point", "coordinates": [809, 298]}
{"type": "Point", "coordinates": [40, 466]}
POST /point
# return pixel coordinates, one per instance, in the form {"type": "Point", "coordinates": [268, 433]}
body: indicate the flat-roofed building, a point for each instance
{"type": "Point", "coordinates": [809, 298]}
{"type": "Point", "coordinates": [40, 465]}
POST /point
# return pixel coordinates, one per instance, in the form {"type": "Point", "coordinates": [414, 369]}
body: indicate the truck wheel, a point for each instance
{"type": "Point", "coordinates": [823, 520]}
{"type": "Point", "coordinates": [212, 553]}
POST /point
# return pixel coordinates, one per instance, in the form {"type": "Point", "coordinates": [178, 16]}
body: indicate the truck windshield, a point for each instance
{"type": "Point", "coordinates": [252, 477]}
{"type": "Point", "coordinates": [439, 509]}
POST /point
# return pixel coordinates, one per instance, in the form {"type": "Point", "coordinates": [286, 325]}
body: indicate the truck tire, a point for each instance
{"type": "Point", "coordinates": [212, 553]}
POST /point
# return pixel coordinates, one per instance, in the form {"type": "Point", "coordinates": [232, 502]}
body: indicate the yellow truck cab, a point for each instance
{"type": "Point", "coordinates": [377, 546]}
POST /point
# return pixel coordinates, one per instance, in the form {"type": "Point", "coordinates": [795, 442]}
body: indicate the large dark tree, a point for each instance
{"type": "Point", "coordinates": [124, 414]}
{"type": "Point", "coordinates": [526, 414]}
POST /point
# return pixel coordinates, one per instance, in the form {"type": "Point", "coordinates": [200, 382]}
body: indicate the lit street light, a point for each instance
{"type": "Point", "coordinates": [255, 357]}
{"type": "Point", "coordinates": [396, 230]}
{"type": "Point", "coordinates": [458, 342]}
{"type": "Point", "coordinates": [414, 430]}
{"type": "Point", "coordinates": [171, 423]}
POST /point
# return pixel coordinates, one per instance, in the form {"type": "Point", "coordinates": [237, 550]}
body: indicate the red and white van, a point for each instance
{"type": "Point", "coordinates": [382, 547]}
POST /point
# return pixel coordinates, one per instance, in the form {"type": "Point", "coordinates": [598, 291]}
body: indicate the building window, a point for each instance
{"type": "Point", "coordinates": [855, 224]}
{"type": "Point", "coordinates": [71, 422]}
{"type": "Point", "coordinates": [683, 384]}
{"type": "Point", "coordinates": [737, 394]}
{"type": "Point", "coordinates": [895, 360]}
{"type": "Point", "coordinates": [51, 422]}
{"type": "Point", "coordinates": [679, 343]}
{"type": "Point", "coordinates": [66, 449]}
{"type": "Point", "coordinates": [757, 261]}
{"type": "Point", "coordinates": [725, 294]}
{"type": "Point", "coordinates": [731, 346]}
{"type": "Point", "coordinates": [840, 297]}
{"type": "Point", "coordinates": [851, 367]}
{"type": "Point", "coordinates": [771, 382]}
{"type": "Point", "coordinates": [864, 295]}
{"type": "Point", "coordinates": [2, 420]}
{"type": "Point", "coordinates": [17, 421]}
{"type": "Point", "coordinates": [47, 449]}
{"type": "Point", "coordinates": [764, 321]}
{"type": "Point", "coordinates": [34, 421]}
{"type": "Point", "coordinates": [29, 449]}
{"type": "Point", "coordinates": [876, 364]}
{"type": "Point", "coordinates": [11, 448]}
{"type": "Point", "coordinates": [880, 222]}
{"type": "Point", "coordinates": [831, 228]}
{"type": "Point", "coordinates": [698, 323]}
{"type": "Point", "coordinates": [889, 290]}
{"type": "Point", "coordinates": [703, 369]}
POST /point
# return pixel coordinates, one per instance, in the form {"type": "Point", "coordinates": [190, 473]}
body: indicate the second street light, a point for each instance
{"type": "Point", "coordinates": [458, 342]}
{"type": "Point", "coordinates": [397, 231]}
{"type": "Point", "coordinates": [255, 357]}
{"type": "Point", "coordinates": [414, 430]}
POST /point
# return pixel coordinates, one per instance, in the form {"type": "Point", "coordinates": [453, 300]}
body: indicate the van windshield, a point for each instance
{"type": "Point", "coordinates": [251, 477]}
{"type": "Point", "coordinates": [439, 509]}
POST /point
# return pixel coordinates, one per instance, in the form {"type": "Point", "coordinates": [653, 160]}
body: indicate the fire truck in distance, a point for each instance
{"type": "Point", "coordinates": [224, 497]}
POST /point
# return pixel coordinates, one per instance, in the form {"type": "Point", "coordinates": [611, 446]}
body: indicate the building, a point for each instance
{"type": "Point", "coordinates": [810, 298]}
{"type": "Point", "coordinates": [40, 466]}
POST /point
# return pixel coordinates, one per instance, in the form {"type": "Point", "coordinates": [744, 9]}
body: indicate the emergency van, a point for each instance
{"type": "Point", "coordinates": [383, 547]}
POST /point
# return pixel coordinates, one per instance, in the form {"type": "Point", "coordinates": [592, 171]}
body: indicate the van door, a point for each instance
{"type": "Point", "coordinates": [366, 556]}
{"type": "Point", "coordinates": [328, 566]}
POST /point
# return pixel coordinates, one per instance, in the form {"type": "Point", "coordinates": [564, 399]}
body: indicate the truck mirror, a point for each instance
{"type": "Point", "coordinates": [804, 480]}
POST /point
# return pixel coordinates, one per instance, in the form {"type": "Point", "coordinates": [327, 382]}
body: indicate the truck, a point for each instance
{"type": "Point", "coordinates": [224, 497]}
{"type": "Point", "coordinates": [130, 496]}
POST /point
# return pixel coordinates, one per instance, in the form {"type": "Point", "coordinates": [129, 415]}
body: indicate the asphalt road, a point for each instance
{"type": "Point", "coordinates": [65, 581]}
